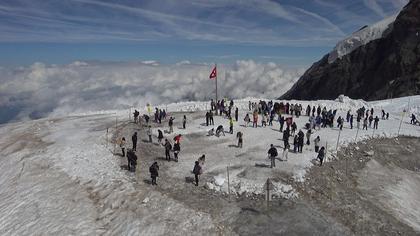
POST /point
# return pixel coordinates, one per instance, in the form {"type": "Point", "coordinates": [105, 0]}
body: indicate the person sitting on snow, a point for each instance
{"type": "Point", "coordinates": [220, 130]}
{"type": "Point", "coordinates": [211, 132]}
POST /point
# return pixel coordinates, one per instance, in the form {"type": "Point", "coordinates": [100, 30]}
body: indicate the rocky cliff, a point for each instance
{"type": "Point", "coordinates": [385, 67]}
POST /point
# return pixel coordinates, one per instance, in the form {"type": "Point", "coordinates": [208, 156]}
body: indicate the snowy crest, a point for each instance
{"type": "Point", "coordinates": [348, 103]}
{"type": "Point", "coordinates": [361, 37]}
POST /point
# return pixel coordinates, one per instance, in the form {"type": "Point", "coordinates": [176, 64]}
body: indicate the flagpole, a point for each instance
{"type": "Point", "coordinates": [216, 82]}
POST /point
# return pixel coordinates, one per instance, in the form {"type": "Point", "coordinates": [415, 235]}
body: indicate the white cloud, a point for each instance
{"type": "Point", "coordinates": [39, 90]}
{"type": "Point", "coordinates": [184, 62]}
{"type": "Point", "coordinates": [151, 62]}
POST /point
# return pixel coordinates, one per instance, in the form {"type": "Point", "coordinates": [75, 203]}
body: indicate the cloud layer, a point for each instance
{"type": "Point", "coordinates": [40, 90]}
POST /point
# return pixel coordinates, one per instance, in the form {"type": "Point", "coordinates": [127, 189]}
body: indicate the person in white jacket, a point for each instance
{"type": "Point", "coordinates": [285, 152]}
{"type": "Point", "coordinates": [317, 140]}
{"type": "Point", "coordinates": [263, 120]}
{"type": "Point", "coordinates": [149, 133]}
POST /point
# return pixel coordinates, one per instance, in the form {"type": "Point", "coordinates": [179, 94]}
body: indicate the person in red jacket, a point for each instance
{"type": "Point", "coordinates": [177, 138]}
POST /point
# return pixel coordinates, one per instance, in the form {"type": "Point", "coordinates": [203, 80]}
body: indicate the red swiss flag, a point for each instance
{"type": "Point", "coordinates": [213, 73]}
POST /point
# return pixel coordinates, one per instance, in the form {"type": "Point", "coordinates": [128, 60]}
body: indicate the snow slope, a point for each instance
{"type": "Point", "coordinates": [60, 177]}
{"type": "Point", "coordinates": [244, 176]}
{"type": "Point", "coordinates": [394, 188]}
{"type": "Point", "coordinates": [61, 171]}
{"type": "Point", "coordinates": [360, 38]}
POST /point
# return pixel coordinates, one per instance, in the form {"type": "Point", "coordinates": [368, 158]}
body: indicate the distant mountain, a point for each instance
{"type": "Point", "coordinates": [376, 62]}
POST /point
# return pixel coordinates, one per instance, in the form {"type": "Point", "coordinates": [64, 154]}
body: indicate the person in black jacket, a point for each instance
{"type": "Point", "coordinates": [134, 140]}
{"type": "Point", "coordinates": [184, 122]}
{"type": "Point", "coordinates": [286, 136]}
{"type": "Point", "coordinates": [413, 119]}
{"type": "Point", "coordinates": [375, 123]}
{"type": "Point", "coordinates": [171, 124]}
{"type": "Point", "coordinates": [220, 130]}
{"type": "Point", "coordinates": [168, 148]}
{"type": "Point", "coordinates": [136, 116]}
{"type": "Point", "coordinates": [321, 155]}
{"type": "Point", "coordinates": [153, 169]}
{"type": "Point", "coordinates": [122, 146]}
{"type": "Point", "coordinates": [197, 171]}
{"type": "Point", "coordinates": [239, 136]}
{"type": "Point", "coordinates": [211, 120]}
{"type": "Point", "coordinates": [177, 149]}
{"type": "Point", "coordinates": [132, 161]}
{"type": "Point", "coordinates": [207, 118]}
{"type": "Point", "coordinates": [295, 144]}
{"type": "Point", "coordinates": [294, 128]}
{"type": "Point", "coordinates": [146, 118]}
{"type": "Point", "coordinates": [160, 135]}
{"type": "Point", "coordinates": [272, 153]}
{"type": "Point", "coordinates": [281, 121]}
{"type": "Point", "coordinates": [301, 140]}
{"type": "Point", "coordinates": [340, 122]}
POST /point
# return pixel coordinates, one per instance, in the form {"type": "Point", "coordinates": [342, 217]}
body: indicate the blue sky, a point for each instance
{"type": "Point", "coordinates": [290, 32]}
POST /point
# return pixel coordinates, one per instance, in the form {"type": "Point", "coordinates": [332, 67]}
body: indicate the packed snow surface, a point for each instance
{"type": "Point", "coordinates": [54, 170]}
{"type": "Point", "coordinates": [361, 37]}
{"type": "Point", "coordinates": [394, 188]}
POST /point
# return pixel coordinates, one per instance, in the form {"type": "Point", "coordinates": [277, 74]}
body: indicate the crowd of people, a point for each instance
{"type": "Point", "coordinates": [160, 115]}
{"type": "Point", "coordinates": [261, 114]}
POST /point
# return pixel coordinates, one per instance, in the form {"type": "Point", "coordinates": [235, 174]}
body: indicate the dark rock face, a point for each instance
{"type": "Point", "coordinates": [384, 68]}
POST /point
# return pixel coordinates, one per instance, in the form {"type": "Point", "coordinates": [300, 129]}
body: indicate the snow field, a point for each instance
{"type": "Point", "coordinates": [394, 188]}
{"type": "Point", "coordinates": [47, 164]}
{"type": "Point", "coordinates": [245, 177]}
{"type": "Point", "coordinates": [60, 178]}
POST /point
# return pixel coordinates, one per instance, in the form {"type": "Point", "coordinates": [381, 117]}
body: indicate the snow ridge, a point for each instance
{"type": "Point", "coordinates": [361, 37]}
